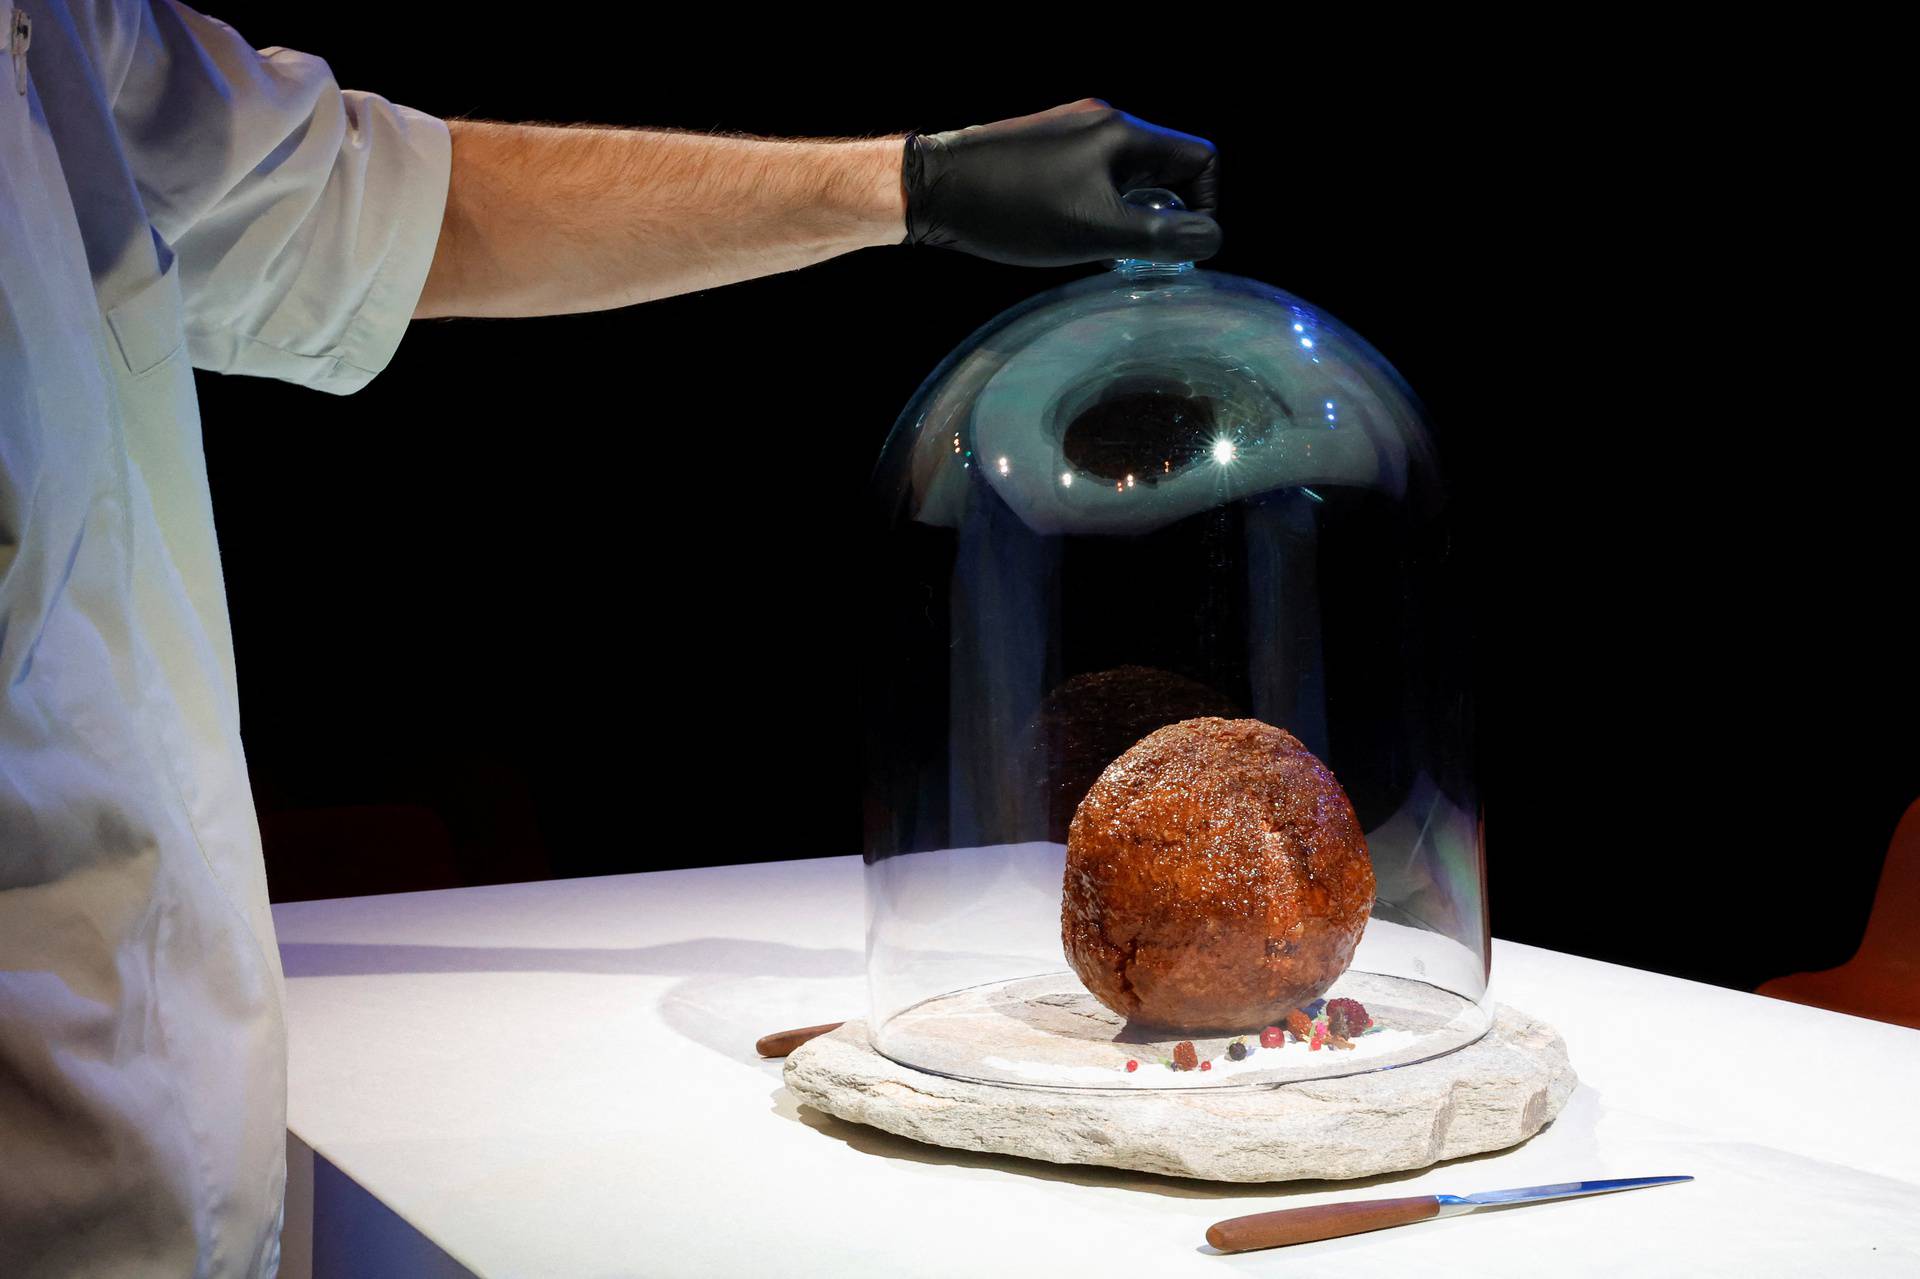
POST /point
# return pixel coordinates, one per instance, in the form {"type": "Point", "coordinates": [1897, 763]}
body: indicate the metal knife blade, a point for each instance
{"type": "Point", "coordinates": [1454, 1205]}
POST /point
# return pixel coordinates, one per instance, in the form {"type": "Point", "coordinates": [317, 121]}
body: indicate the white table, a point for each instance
{"type": "Point", "coordinates": [558, 1079]}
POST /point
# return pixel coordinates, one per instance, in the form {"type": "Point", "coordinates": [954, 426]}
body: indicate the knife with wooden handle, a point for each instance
{"type": "Point", "coordinates": [1331, 1221]}
{"type": "Point", "coordinates": [780, 1043]}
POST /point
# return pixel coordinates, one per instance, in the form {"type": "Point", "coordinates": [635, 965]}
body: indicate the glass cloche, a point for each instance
{"type": "Point", "coordinates": [1163, 583]}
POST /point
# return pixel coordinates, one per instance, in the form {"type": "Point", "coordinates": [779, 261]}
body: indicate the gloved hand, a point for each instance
{"type": "Point", "coordinates": [1044, 190]}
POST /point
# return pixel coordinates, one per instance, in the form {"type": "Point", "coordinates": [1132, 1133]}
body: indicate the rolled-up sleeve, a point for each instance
{"type": "Point", "coordinates": [304, 217]}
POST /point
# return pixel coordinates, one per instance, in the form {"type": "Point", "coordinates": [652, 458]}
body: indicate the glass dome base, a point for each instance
{"type": "Point", "coordinates": [1046, 1031]}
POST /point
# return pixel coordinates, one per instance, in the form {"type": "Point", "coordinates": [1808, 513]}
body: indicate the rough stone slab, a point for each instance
{"type": "Point", "coordinates": [1489, 1095]}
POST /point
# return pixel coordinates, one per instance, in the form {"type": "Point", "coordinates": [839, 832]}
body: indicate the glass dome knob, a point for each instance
{"type": "Point", "coordinates": [1144, 268]}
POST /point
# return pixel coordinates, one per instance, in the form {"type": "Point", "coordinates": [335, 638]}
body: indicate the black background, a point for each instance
{"type": "Point", "coordinates": [566, 596]}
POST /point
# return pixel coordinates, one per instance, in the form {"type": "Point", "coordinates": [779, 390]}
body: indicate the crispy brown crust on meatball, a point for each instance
{"type": "Point", "coordinates": [1217, 878]}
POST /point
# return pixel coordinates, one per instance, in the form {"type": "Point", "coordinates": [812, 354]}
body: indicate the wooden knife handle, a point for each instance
{"type": "Point", "coordinates": [1321, 1221]}
{"type": "Point", "coordinates": [785, 1041]}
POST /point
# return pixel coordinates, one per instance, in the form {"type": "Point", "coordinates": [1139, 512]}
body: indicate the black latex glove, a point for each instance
{"type": "Point", "coordinates": [1044, 190]}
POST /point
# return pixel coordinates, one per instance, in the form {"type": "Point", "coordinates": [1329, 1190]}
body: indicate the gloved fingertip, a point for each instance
{"type": "Point", "coordinates": [1197, 237]}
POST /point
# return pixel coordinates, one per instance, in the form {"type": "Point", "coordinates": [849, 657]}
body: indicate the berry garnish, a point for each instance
{"type": "Point", "coordinates": [1184, 1057]}
{"type": "Point", "coordinates": [1132, 1066]}
{"type": "Point", "coordinates": [1206, 1065]}
{"type": "Point", "coordinates": [1270, 1037]}
{"type": "Point", "coordinates": [1347, 1017]}
{"type": "Point", "coordinates": [1237, 1050]}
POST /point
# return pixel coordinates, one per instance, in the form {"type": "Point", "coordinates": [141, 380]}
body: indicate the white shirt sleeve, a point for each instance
{"type": "Point", "coordinates": [304, 216]}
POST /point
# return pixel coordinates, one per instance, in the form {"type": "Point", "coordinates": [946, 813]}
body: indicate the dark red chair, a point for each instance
{"type": "Point", "coordinates": [1882, 980]}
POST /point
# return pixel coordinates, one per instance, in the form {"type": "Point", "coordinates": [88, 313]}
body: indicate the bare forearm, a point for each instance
{"type": "Point", "coordinates": [546, 221]}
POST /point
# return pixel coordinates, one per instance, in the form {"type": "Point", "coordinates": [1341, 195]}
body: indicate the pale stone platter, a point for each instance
{"type": "Point", "coordinates": [1493, 1093]}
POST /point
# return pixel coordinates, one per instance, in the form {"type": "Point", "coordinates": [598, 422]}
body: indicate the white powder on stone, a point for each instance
{"type": "Point", "coordinates": [1258, 1061]}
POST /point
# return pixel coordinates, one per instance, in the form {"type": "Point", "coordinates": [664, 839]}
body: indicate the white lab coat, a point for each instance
{"type": "Point", "coordinates": [169, 199]}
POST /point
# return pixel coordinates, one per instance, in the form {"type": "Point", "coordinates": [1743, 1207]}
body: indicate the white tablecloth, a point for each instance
{"type": "Point", "coordinates": [558, 1079]}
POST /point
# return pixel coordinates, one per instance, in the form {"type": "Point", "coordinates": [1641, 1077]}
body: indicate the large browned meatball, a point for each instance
{"type": "Point", "coordinates": [1216, 878]}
